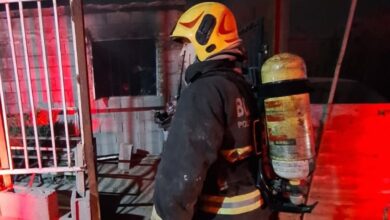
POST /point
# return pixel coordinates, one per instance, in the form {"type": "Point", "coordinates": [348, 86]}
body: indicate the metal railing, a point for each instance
{"type": "Point", "coordinates": [14, 12]}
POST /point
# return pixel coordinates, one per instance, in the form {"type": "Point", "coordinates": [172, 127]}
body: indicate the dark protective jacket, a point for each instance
{"type": "Point", "coordinates": [207, 163]}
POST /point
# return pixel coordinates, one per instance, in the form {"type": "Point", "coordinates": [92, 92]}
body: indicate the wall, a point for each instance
{"type": "Point", "coordinates": [316, 31]}
{"type": "Point", "coordinates": [130, 119]}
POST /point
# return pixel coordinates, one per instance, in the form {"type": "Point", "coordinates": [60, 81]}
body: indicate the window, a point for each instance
{"type": "Point", "coordinates": [124, 67]}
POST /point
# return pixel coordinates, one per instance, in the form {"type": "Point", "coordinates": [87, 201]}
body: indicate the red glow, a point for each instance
{"type": "Point", "coordinates": [36, 64]}
{"type": "Point", "coordinates": [352, 179]}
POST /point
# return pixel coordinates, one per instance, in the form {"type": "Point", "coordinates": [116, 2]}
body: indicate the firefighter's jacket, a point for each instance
{"type": "Point", "coordinates": [207, 161]}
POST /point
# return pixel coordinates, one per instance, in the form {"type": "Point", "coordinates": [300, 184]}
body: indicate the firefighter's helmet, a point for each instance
{"type": "Point", "coordinates": [209, 26]}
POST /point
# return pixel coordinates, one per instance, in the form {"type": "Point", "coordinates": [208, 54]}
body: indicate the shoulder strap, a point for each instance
{"type": "Point", "coordinates": [243, 87]}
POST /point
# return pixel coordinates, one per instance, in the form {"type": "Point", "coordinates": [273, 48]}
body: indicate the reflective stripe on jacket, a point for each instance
{"type": "Point", "coordinates": [236, 154]}
{"type": "Point", "coordinates": [231, 205]}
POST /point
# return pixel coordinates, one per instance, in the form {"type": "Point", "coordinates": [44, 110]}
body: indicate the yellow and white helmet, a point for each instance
{"type": "Point", "coordinates": [209, 26]}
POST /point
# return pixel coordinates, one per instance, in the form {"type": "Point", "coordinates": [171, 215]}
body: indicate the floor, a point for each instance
{"type": "Point", "coordinates": [124, 194]}
{"type": "Point", "coordinates": [127, 194]}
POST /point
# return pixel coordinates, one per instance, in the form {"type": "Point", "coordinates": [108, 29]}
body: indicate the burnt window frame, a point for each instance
{"type": "Point", "coordinates": [155, 69]}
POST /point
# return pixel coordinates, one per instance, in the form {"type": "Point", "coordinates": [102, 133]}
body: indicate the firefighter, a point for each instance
{"type": "Point", "coordinates": [207, 164]}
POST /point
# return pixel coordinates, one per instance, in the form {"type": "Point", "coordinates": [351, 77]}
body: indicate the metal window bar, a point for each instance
{"type": "Point", "coordinates": [22, 125]}
{"type": "Point", "coordinates": [30, 91]}
{"type": "Point", "coordinates": [41, 170]}
{"type": "Point", "coordinates": [59, 56]}
{"type": "Point", "coordinates": [48, 88]}
{"type": "Point", "coordinates": [77, 74]}
{"type": "Point", "coordinates": [8, 145]}
{"type": "Point", "coordinates": [27, 168]}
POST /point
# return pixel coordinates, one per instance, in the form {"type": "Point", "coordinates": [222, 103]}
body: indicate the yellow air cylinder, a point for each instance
{"type": "Point", "coordinates": [288, 119]}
